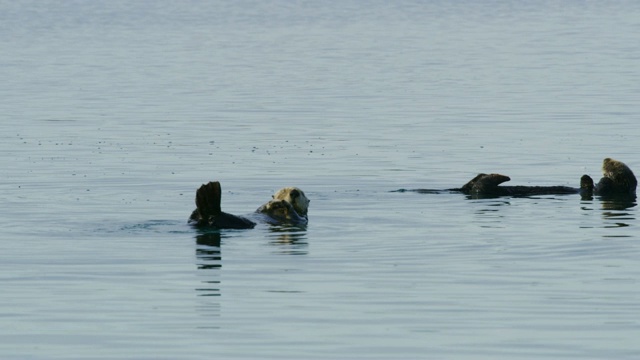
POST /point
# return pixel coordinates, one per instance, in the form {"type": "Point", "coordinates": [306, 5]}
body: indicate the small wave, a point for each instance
{"type": "Point", "coordinates": [158, 226]}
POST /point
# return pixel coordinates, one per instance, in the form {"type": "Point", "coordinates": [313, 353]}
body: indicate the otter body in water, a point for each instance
{"type": "Point", "coordinates": [617, 179]}
{"type": "Point", "coordinates": [209, 213]}
{"type": "Point", "coordinates": [487, 185]}
{"type": "Point", "coordinates": [289, 205]}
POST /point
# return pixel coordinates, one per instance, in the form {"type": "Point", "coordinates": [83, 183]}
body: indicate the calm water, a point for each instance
{"type": "Point", "coordinates": [114, 112]}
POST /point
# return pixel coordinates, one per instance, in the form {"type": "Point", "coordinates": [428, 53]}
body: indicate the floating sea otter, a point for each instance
{"type": "Point", "coordinates": [289, 206]}
{"type": "Point", "coordinates": [618, 180]}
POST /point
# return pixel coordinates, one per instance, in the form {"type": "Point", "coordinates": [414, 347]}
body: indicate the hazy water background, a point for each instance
{"type": "Point", "coordinates": [114, 112]}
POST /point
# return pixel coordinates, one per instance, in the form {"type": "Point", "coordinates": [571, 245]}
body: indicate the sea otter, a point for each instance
{"type": "Point", "coordinates": [487, 186]}
{"type": "Point", "coordinates": [289, 205]}
{"type": "Point", "coordinates": [617, 179]}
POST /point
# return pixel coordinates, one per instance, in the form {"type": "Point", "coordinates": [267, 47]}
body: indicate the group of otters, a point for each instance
{"type": "Point", "coordinates": [289, 205]}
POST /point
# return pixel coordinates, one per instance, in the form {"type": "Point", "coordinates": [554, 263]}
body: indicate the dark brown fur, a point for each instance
{"type": "Point", "coordinates": [208, 212]}
{"type": "Point", "coordinates": [618, 180]}
{"type": "Point", "coordinates": [486, 185]}
{"type": "Point", "coordinates": [622, 178]}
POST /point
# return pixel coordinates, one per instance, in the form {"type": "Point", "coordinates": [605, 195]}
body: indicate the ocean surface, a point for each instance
{"type": "Point", "coordinates": [113, 113]}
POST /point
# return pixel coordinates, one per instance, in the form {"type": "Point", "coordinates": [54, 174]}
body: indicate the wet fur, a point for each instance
{"type": "Point", "coordinates": [618, 179]}
{"type": "Point", "coordinates": [295, 197]}
{"type": "Point", "coordinates": [209, 213]}
{"type": "Point", "coordinates": [290, 205]}
{"type": "Point", "coordinates": [282, 212]}
{"type": "Point", "coordinates": [486, 185]}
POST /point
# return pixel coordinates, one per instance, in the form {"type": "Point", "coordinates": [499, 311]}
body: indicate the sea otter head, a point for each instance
{"type": "Point", "coordinates": [295, 197]}
{"type": "Point", "coordinates": [622, 179]}
{"type": "Point", "coordinates": [280, 210]}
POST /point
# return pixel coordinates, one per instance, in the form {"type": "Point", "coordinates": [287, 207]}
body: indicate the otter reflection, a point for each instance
{"type": "Point", "coordinates": [209, 258]}
{"type": "Point", "coordinates": [208, 250]}
{"type": "Point", "coordinates": [617, 202]}
{"type": "Point", "coordinates": [290, 240]}
{"type": "Point", "coordinates": [616, 211]}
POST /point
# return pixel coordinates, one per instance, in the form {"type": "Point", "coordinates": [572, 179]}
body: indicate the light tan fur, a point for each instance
{"type": "Point", "coordinates": [295, 197]}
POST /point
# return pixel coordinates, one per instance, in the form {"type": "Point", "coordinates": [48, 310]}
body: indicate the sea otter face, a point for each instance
{"type": "Point", "coordinates": [295, 197]}
{"type": "Point", "coordinates": [278, 209]}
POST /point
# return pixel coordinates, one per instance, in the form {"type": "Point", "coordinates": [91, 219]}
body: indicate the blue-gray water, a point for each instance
{"type": "Point", "coordinates": [112, 113]}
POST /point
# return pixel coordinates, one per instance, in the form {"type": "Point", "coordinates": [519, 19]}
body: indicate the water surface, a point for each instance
{"type": "Point", "coordinates": [113, 114]}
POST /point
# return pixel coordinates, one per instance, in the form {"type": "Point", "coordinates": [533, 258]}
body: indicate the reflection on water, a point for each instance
{"type": "Point", "coordinates": [208, 250]}
{"type": "Point", "coordinates": [617, 203]}
{"type": "Point", "coordinates": [209, 258]}
{"type": "Point", "coordinates": [290, 240]}
{"type": "Point", "coordinates": [209, 262]}
{"type": "Point", "coordinates": [490, 213]}
{"type": "Point", "coordinates": [615, 211]}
